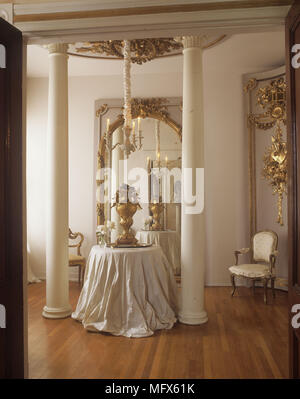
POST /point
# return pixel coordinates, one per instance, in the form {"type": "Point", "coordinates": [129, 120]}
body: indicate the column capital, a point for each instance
{"type": "Point", "coordinates": [191, 41]}
{"type": "Point", "coordinates": [61, 48]}
{"type": "Point", "coordinates": [201, 41]}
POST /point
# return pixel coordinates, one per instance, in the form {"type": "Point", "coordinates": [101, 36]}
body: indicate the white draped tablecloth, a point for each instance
{"type": "Point", "coordinates": [169, 241]}
{"type": "Point", "coordinates": [129, 291]}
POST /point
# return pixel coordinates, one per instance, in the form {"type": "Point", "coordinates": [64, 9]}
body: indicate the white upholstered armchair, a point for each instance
{"type": "Point", "coordinates": [263, 257]}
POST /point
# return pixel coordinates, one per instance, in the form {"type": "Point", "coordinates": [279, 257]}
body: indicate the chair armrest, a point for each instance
{"type": "Point", "coordinates": [238, 252]}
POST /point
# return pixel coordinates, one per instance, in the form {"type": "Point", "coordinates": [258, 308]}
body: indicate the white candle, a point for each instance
{"type": "Point", "coordinates": [107, 124]}
{"type": "Point", "coordinates": [139, 124]}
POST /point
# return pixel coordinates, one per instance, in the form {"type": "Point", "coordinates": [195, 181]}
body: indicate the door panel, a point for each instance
{"type": "Point", "coordinates": [293, 138]}
{"type": "Point", "coordinates": [11, 232]}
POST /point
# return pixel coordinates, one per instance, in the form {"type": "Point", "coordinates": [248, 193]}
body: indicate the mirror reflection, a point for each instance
{"type": "Point", "coordinates": [153, 172]}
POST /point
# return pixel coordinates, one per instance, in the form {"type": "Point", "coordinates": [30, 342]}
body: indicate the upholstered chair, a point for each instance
{"type": "Point", "coordinates": [77, 259]}
{"type": "Point", "coordinates": [263, 253]}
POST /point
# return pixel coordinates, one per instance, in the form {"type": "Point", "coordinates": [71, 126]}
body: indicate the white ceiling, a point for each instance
{"type": "Point", "coordinates": [255, 50]}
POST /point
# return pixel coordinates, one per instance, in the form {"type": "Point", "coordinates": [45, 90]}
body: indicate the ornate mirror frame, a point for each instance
{"type": "Point", "coordinates": [168, 110]}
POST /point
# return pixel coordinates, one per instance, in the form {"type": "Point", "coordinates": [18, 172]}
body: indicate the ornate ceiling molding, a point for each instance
{"type": "Point", "coordinates": [48, 11]}
{"type": "Point", "coordinates": [142, 50]}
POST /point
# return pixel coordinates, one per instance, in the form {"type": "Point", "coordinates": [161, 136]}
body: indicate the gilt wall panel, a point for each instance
{"type": "Point", "coordinates": [266, 209]}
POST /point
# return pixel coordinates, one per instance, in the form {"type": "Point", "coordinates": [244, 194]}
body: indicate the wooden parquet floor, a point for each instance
{"type": "Point", "coordinates": [244, 338]}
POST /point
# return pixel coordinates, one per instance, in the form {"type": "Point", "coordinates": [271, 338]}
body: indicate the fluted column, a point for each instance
{"type": "Point", "coordinates": [192, 228]}
{"type": "Point", "coordinates": [57, 207]}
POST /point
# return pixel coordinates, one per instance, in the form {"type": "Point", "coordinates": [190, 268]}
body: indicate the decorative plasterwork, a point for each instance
{"type": "Point", "coordinates": [92, 9]}
{"type": "Point", "coordinates": [156, 108]}
{"type": "Point", "coordinates": [271, 99]}
{"type": "Point", "coordinates": [202, 41]}
{"type": "Point", "coordinates": [142, 50]}
{"type": "Point", "coordinates": [74, 22]}
{"type": "Point", "coordinates": [54, 48]}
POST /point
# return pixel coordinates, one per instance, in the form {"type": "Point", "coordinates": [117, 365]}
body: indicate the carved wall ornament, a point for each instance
{"type": "Point", "coordinates": [275, 168]}
{"type": "Point", "coordinates": [102, 110]}
{"type": "Point", "coordinates": [272, 100]}
{"type": "Point", "coordinates": [251, 84]}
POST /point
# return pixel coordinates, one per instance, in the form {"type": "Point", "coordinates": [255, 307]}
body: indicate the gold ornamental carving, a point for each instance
{"type": "Point", "coordinates": [275, 168]}
{"type": "Point", "coordinates": [156, 208]}
{"type": "Point", "coordinates": [251, 85]}
{"type": "Point", "coordinates": [272, 100]}
{"type": "Point", "coordinates": [142, 50]}
{"type": "Point", "coordinates": [102, 110]}
{"type": "Point", "coordinates": [126, 206]}
{"type": "Point", "coordinates": [156, 108]}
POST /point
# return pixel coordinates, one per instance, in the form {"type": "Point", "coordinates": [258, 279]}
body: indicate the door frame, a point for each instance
{"type": "Point", "coordinates": [79, 29]}
{"type": "Point", "coordinates": [292, 21]}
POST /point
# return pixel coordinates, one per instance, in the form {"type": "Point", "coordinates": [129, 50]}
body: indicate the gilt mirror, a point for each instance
{"type": "Point", "coordinates": [155, 164]}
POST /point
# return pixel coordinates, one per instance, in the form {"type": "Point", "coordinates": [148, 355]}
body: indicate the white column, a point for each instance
{"type": "Point", "coordinates": [57, 207]}
{"type": "Point", "coordinates": [192, 228]}
{"type": "Point", "coordinates": [117, 162]}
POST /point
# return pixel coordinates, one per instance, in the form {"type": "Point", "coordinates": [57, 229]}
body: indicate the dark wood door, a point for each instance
{"type": "Point", "coordinates": [11, 234]}
{"type": "Point", "coordinates": [293, 104]}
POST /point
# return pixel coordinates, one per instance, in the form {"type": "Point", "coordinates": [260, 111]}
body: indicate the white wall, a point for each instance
{"type": "Point", "coordinates": [226, 194]}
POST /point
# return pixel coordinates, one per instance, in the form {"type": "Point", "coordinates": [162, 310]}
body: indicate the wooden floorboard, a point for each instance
{"type": "Point", "coordinates": [244, 338]}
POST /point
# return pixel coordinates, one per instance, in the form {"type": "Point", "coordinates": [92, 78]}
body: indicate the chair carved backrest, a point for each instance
{"type": "Point", "coordinates": [264, 243]}
{"type": "Point", "coordinates": [74, 236]}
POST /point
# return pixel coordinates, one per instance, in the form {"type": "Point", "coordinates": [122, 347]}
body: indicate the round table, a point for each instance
{"type": "Point", "coordinates": [127, 291]}
{"type": "Point", "coordinates": [169, 241]}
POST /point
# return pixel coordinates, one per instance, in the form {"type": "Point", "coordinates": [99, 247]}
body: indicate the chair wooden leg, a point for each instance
{"type": "Point", "coordinates": [79, 275]}
{"type": "Point", "coordinates": [273, 287]}
{"type": "Point", "coordinates": [265, 289]}
{"type": "Point", "coordinates": [233, 284]}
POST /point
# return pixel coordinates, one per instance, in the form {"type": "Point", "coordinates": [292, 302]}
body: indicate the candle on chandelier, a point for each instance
{"type": "Point", "coordinates": [139, 125]}
{"type": "Point", "coordinates": [107, 124]}
{"type": "Point", "coordinates": [166, 159]}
